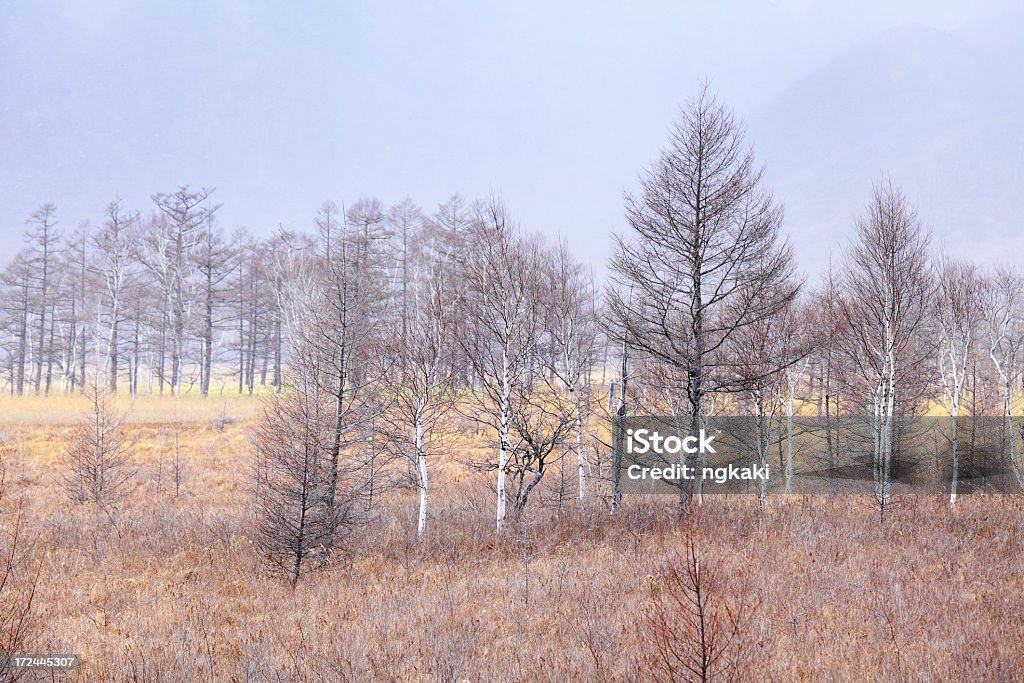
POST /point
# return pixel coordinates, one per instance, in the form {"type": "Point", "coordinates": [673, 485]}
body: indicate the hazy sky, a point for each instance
{"type": "Point", "coordinates": [556, 106]}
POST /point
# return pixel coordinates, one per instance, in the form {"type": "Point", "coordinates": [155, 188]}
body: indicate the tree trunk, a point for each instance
{"type": "Point", "coordinates": [503, 435]}
{"type": "Point", "coordinates": [421, 462]}
{"type": "Point", "coordinates": [112, 343]}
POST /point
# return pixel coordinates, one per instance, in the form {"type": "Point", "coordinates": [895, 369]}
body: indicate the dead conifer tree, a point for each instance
{"type": "Point", "coordinates": [97, 456]}
{"type": "Point", "coordinates": [298, 515]}
{"type": "Point", "coordinates": [705, 257]}
{"type": "Point", "coordinates": [692, 631]}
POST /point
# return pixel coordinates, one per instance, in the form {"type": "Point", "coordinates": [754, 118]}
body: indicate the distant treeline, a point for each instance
{"type": "Point", "coordinates": [381, 320]}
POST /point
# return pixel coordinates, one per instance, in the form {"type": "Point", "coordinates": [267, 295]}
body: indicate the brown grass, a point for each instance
{"type": "Point", "coordinates": [171, 589]}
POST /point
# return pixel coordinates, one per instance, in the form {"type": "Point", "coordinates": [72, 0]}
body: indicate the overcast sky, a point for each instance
{"type": "Point", "coordinates": [556, 106]}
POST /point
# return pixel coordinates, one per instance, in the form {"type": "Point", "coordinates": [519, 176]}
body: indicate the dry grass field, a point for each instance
{"type": "Point", "coordinates": [170, 588]}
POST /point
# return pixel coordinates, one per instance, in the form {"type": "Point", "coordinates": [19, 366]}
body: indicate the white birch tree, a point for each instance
{"type": "Point", "coordinates": [422, 382]}
{"type": "Point", "coordinates": [572, 331]}
{"type": "Point", "coordinates": [1003, 328]}
{"type": "Point", "coordinates": [113, 244]}
{"type": "Point", "coordinates": [500, 309]}
{"type": "Point", "coordinates": [959, 313]}
{"type": "Point", "coordinates": [888, 290]}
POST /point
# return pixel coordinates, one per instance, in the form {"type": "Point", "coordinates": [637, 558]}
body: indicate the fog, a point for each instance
{"type": "Point", "coordinates": [557, 108]}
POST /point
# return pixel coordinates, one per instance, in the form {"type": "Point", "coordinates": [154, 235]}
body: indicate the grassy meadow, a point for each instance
{"type": "Point", "coordinates": [169, 587]}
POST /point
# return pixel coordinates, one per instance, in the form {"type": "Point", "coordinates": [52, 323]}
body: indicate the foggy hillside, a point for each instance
{"type": "Point", "coordinates": [936, 112]}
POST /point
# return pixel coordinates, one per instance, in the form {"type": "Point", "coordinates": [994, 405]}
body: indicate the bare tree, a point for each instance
{"type": "Point", "coordinates": [97, 457]}
{"type": "Point", "coordinates": [346, 333]}
{"type": "Point", "coordinates": [829, 322]}
{"type": "Point", "coordinates": [448, 229]}
{"type": "Point", "coordinates": [298, 515]}
{"type": "Point", "coordinates": [706, 258]}
{"type": "Point", "coordinates": [1003, 325]}
{"type": "Point", "coordinates": [294, 283]}
{"type": "Point", "coordinates": [315, 446]}
{"type": "Point", "coordinates": [887, 302]}
{"type": "Point", "coordinates": [798, 341]}
{"type": "Point", "coordinates": [255, 312]}
{"type": "Point", "coordinates": [572, 330]}
{"type": "Point", "coordinates": [113, 243]}
{"type": "Point", "coordinates": [756, 352]}
{"type": "Point", "coordinates": [214, 259]}
{"type": "Point", "coordinates": [405, 221]}
{"type": "Point", "coordinates": [168, 252]}
{"type": "Point", "coordinates": [542, 419]}
{"type": "Point", "coordinates": [422, 382]}
{"type": "Point", "coordinates": [19, 579]}
{"type": "Point", "coordinates": [770, 359]}
{"type": "Point", "coordinates": [18, 301]}
{"type": "Point", "coordinates": [618, 394]}
{"type": "Point", "coordinates": [79, 315]}
{"type": "Point", "coordinates": [693, 629]}
{"type": "Point", "coordinates": [44, 238]}
{"type": "Point", "coordinates": [959, 314]}
{"type": "Point", "coordinates": [500, 309]}
{"type": "Point", "coordinates": [368, 238]}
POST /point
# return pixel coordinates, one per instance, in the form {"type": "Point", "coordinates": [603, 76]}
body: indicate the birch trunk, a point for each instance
{"type": "Point", "coordinates": [620, 412]}
{"type": "Point", "coordinates": [762, 448]}
{"type": "Point", "coordinates": [421, 461]}
{"type": "Point", "coordinates": [581, 455]}
{"type": "Point", "coordinates": [503, 452]}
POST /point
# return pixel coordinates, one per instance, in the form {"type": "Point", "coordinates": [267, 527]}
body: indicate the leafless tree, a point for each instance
{"type": "Point", "coordinates": [300, 514]}
{"type": "Point", "coordinates": [616, 334]}
{"type": "Point", "coordinates": [168, 251]}
{"type": "Point", "coordinates": [755, 349]}
{"type": "Point", "coordinates": [294, 283]}
{"type": "Point", "coordinates": [97, 457]}
{"type": "Point", "coordinates": [421, 382]}
{"type": "Point", "coordinates": [959, 314]}
{"type": "Point", "coordinates": [572, 336]}
{"type": "Point", "coordinates": [405, 221]}
{"type": "Point", "coordinates": [770, 359]}
{"type": "Point", "coordinates": [705, 258]}
{"type": "Point", "coordinates": [888, 294]}
{"type": "Point", "coordinates": [156, 253]}
{"type": "Point", "coordinates": [693, 629]}
{"type": "Point", "coordinates": [17, 310]}
{"type": "Point", "coordinates": [826, 309]}
{"type": "Point", "coordinates": [448, 229]}
{"type": "Point", "coordinates": [542, 419]}
{"type": "Point", "coordinates": [1002, 295]}
{"type": "Point", "coordinates": [214, 259]}
{"type": "Point", "coordinates": [43, 239]}
{"type": "Point", "coordinates": [798, 340]}
{"type": "Point", "coordinates": [80, 315]}
{"type": "Point", "coordinates": [500, 309]}
{"type": "Point", "coordinates": [113, 243]}
{"type": "Point", "coordinates": [253, 312]}
{"type": "Point", "coordinates": [345, 337]}
{"type": "Point", "coordinates": [19, 577]}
